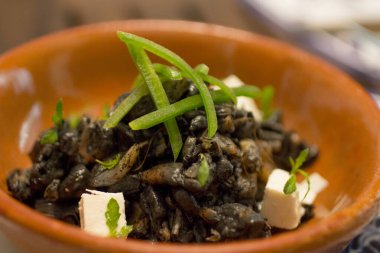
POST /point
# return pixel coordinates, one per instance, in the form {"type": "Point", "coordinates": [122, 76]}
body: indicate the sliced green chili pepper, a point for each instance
{"type": "Point", "coordinates": [158, 94]}
{"type": "Point", "coordinates": [202, 68]}
{"type": "Point", "coordinates": [168, 55]}
{"type": "Point", "coordinates": [220, 84]}
{"type": "Point", "coordinates": [126, 105]}
{"type": "Point", "coordinates": [188, 104]}
{"type": "Point", "coordinates": [170, 73]}
{"type": "Point", "coordinates": [164, 71]}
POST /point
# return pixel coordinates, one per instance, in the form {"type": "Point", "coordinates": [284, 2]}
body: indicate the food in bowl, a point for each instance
{"type": "Point", "coordinates": [176, 160]}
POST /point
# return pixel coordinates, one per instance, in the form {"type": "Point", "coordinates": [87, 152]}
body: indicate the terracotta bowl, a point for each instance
{"type": "Point", "coordinates": [88, 67]}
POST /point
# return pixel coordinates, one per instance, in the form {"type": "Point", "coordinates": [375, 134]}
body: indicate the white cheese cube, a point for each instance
{"type": "Point", "coordinates": [317, 184]}
{"type": "Point", "coordinates": [92, 209]}
{"type": "Point", "coordinates": [244, 103]}
{"type": "Point", "coordinates": [233, 81]}
{"type": "Point", "coordinates": [249, 105]}
{"type": "Point", "coordinates": [281, 210]}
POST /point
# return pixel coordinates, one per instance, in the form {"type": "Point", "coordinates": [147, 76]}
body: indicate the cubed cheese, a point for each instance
{"type": "Point", "coordinates": [92, 209]}
{"type": "Point", "coordinates": [317, 184]}
{"type": "Point", "coordinates": [233, 81]}
{"type": "Point", "coordinates": [244, 103]}
{"type": "Point", "coordinates": [281, 210]}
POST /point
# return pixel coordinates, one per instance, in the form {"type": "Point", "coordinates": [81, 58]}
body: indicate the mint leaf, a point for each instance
{"type": "Point", "coordinates": [290, 185]}
{"type": "Point", "coordinates": [49, 137]}
{"type": "Point", "coordinates": [112, 216]}
{"type": "Point", "coordinates": [111, 163]}
{"type": "Point", "coordinates": [203, 171]}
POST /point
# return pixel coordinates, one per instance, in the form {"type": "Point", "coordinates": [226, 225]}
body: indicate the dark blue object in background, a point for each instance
{"type": "Point", "coordinates": [347, 43]}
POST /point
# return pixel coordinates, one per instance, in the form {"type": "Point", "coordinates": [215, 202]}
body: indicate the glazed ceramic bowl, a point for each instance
{"type": "Point", "coordinates": [89, 67]}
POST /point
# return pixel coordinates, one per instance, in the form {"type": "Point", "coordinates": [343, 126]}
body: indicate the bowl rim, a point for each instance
{"type": "Point", "coordinates": [332, 227]}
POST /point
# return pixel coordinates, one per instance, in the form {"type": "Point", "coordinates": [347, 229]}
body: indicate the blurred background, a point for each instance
{"type": "Point", "coordinates": [345, 32]}
{"type": "Point", "coordinates": [21, 20]}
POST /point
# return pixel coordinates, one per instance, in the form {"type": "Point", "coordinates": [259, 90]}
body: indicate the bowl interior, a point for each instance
{"type": "Point", "coordinates": [91, 67]}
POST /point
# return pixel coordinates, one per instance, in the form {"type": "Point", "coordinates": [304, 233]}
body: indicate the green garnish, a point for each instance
{"type": "Point", "coordinates": [112, 216]}
{"type": "Point", "coordinates": [138, 81]}
{"type": "Point", "coordinates": [106, 112]}
{"type": "Point", "coordinates": [306, 176]}
{"type": "Point", "coordinates": [203, 171]}
{"type": "Point", "coordinates": [170, 73]}
{"type": "Point", "coordinates": [266, 101]}
{"type": "Point", "coordinates": [215, 81]}
{"type": "Point", "coordinates": [58, 116]}
{"type": "Point", "coordinates": [202, 69]}
{"type": "Point", "coordinates": [178, 62]}
{"type": "Point", "coordinates": [158, 94]}
{"type": "Point", "coordinates": [188, 104]}
{"type": "Point", "coordinates": [111, 163]}
{"type": "Point", "coordinates": [124, 231]}
{"type": "Point", "coordinates": [74, 121]}
{"type": "Point", "coordinates": [290, 185]}
{"type": "Point", "coordinates": [51, 136]}
{"type": "Point", "coordinates": [164, 71]}
{"type": "Point", "coordinates": [126, 105]}
{"type": "Point", "coordinates": [138, 92]}
{"type": "Point", "coordinates": [150, 79]}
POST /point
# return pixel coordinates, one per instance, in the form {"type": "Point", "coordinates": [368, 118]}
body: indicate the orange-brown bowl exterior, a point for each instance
{"type": "Point", "coordinates": [88, 66]}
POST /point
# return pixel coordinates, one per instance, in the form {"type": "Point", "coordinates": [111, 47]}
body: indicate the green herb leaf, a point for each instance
{"type": "Point", "coordinates": [74, 121]}
{"type": "Point", "coordinates": [300, 159]}
{"type": "Point", "coordinates": [266, 101]}
{"type": "Point", "coordinates": [49, 137]}
{"type": "Point", "coordinates": [291, 161]}
{"type": "Point", "coordinates": [290, 185]}
{"type": "Point", "coordinates": [112, 216]}
{"type": "Point", "coordinates": [106, 112]}
{"type": "Point", "coordinates": [125, 231]}
{"type": "Point", "coordinates": [306, 176]}
{"type": "Point", "coordinates": [203, 171]}
{"type": "Point", "coordinates": [168, 55]}
{"type": "Point", "coordinates": [158, 94]}
{"type": "Point", "coordinates": [110, 164]}
{"type": "Point", "coordinates": [58, 116]}
{"type": "Point", "coordinates": [187, 104]}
